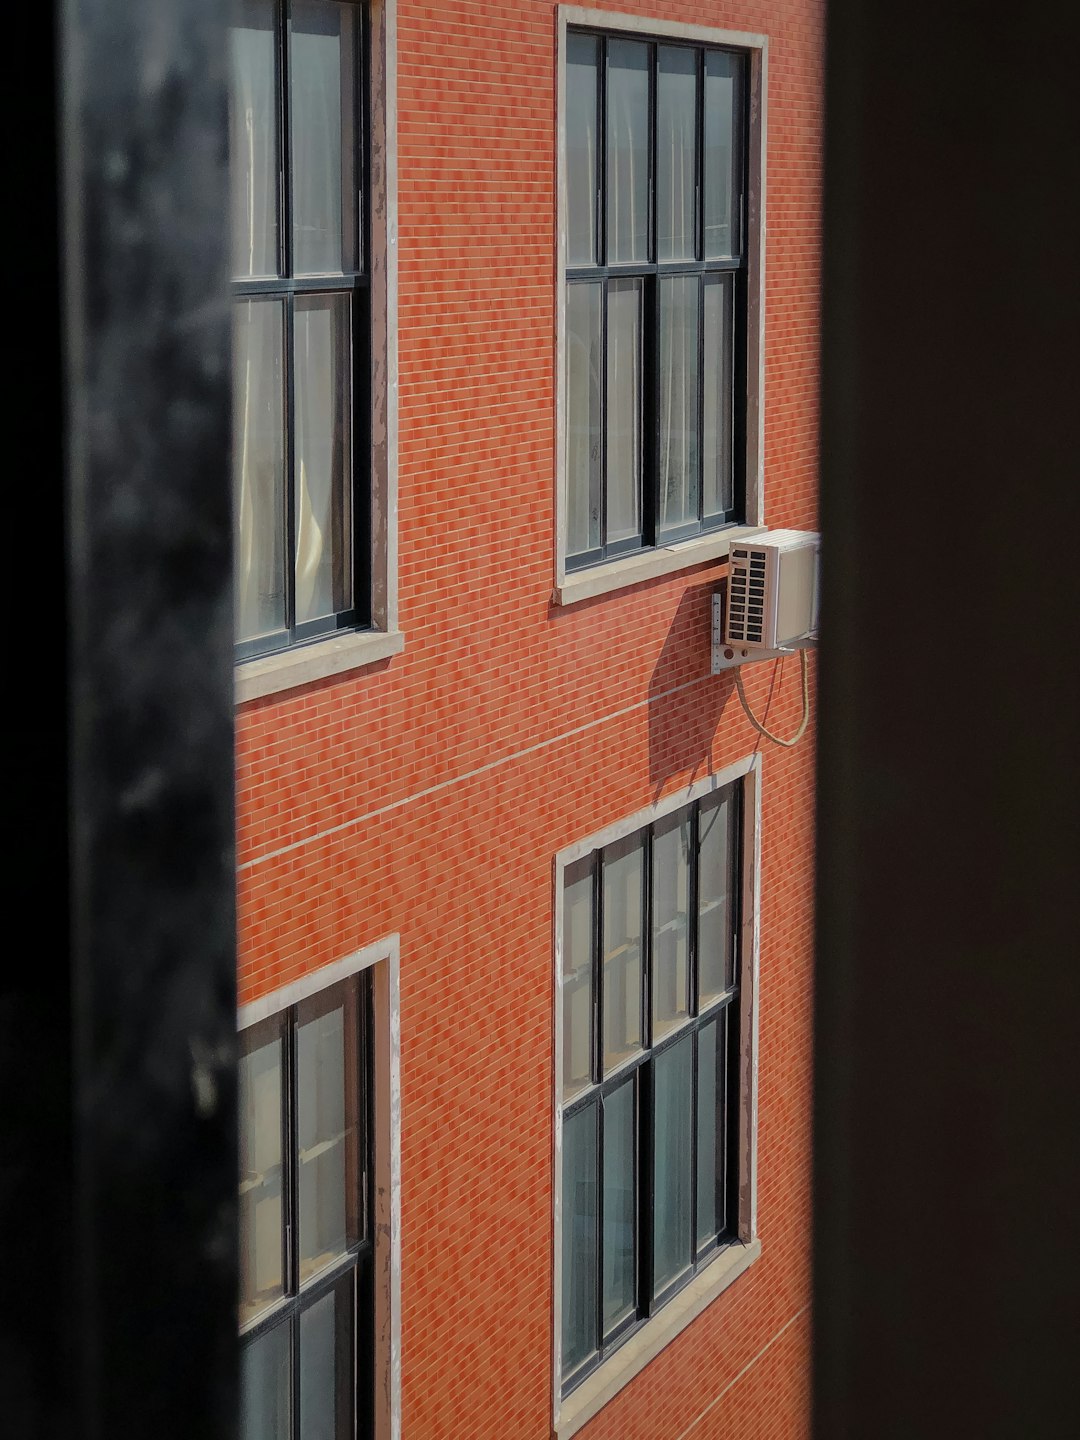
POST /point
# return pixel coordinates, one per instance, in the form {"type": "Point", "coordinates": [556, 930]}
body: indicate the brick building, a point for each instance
{"type": "Point", "coordinates": [525, 902]}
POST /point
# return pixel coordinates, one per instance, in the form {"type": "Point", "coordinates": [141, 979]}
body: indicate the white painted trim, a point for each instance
{"type": "Point", "coordinates": [273, 674]}
{"type": "Point", "coordinates": [289, 669]}
{"type": "Point", "coordinates": [572, 587]}
{"type": "Point", "coordinates": [570, 1415]}
{"type": "Point", "coordinates": [383, 959]}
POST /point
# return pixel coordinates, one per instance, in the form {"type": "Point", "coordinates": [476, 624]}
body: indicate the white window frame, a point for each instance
{"type": "Point", "coordinates": [350, 650]}
{"type": "Point", "coordinates": [382, 959]}
{"type": "Point", "coordinates": [571, 1413]}
{"type": "Point", "coordinates": [573, 586]}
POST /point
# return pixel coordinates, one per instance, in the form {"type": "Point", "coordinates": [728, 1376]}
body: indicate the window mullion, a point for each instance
{"type": "Point", "coordinates": [599, 1332]}
{"type": "Point", "coordinates": [693, 1000]}
{"type": "Point", "coordinates": [285, 33]}
{"type": "Point", "coordinates": [646, 1130]}
{"type": "Point", "coordinates": [290, 464]}
{"type": "Point", "coordinates": [292, 1130]}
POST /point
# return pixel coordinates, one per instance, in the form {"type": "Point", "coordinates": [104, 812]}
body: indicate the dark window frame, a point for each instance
{"type": "Point", "coordinates": [732, 270]}
{"type": "Point", "coordinates": [358, 1259]}
{"type": "Point", "coordinates": [356, 286]}
{"type": "Point", "coordinates": [724, 1010]}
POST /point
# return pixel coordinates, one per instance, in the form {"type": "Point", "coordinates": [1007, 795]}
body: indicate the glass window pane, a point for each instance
{"type": "Point", "coordinates": [322, 459]}
{"type": "Point", "coordinates": [716, 893]}
{"type": "Point", "coordinates": [258, 462]}
{"type": "Point", "coordinates": [670, 923]}
{"type": "Point", "coordinates": [265, 1373]}
{"type": "Point", "coordinates": [723, 168]}
{"type": "Point", "coordinates": [577, 972]}
{"type": "Point", "coordinates": [679, 444]}
{"type": "Point", "coordinates": [322, 57]}
{"type": "Point", "coordinates": [673, 1099]}
{"type": "Point", "coordinates": [261, 1234]}
{"type": "Point", "coordinates": [717, 419]}
{"type": "Point", "coordinates": [620, 1299]}
{"type": "Point", "coordinates": [581, 126]}
{"type": "Point", "coordinates": [326, 1083]}
{"type": "Point", "coordinates": [579, 1239]}
{"type": "Point", "coordinates": [623, 906]}
{"type": "Point", "coordinates": [326, 1365]}
{"type": "Point", "coordinates": [627, 151]}
{"type": "Point", "coordinates": [253, 139]}
{"type": "Point", "coordinates": [584, 368]}
{"type": "Point", "coordinates": [676, 152]}
{"type": "Point", "coordinates": [624, 421]}
{"type": "Point", "coordinates": [710, 1145]}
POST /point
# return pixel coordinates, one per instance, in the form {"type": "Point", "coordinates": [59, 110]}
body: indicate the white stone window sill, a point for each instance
{"type": "Point", "coordinates": [648, 564]}
{"type": "Point", "coordinates": [606, 1382]}
{"type": "Point", "coordinates": [271, 674]}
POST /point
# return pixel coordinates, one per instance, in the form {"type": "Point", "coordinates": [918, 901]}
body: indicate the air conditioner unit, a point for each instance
{"type": "Point", "coordinates": [772, 598]}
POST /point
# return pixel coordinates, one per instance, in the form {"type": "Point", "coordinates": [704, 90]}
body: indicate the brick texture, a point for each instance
{"type": "Point", "coordinates": [428, 794]}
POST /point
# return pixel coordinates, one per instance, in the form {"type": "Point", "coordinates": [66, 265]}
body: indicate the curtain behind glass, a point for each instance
{"type": "Point", "coordinates": [679, 436]}
{"type": "Point", "coordinates": [577, 962]}
{"type": "Point", "coordinates": [253, 168]}
{"type": "Point", "coordinates": [620, 1300]}
{"type": "Point", "coordinates": [323, 402]}
{"type": "Point", "coordinates": [581, 113]}
{"type": "Point", "coordinates": [672, 1161]}
{"type": "Point", "coordinates": [258, 461]}
{"type": "Point", "coordinates": [584, 369]}
{"type": "Point", "coordinates": [265, 1376]}
{"type": "Point", "coordinates": [627, 151]}
{"type": "Point", "coordinates": [676, 152]}
{"type": "Point", "coordinates": [322, 59]}
{"type": "Point", "coordinates": [579, 1238]}
{"type": "Point", "coordinates": [723, 181]}
{"type": "Point", "coordinates": [624, 418]}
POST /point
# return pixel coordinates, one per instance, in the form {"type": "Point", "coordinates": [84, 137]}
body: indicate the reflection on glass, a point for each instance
{"type": "Point", "coordinates": [584, 367]}
{"type": "Point", "coordinates": [581, 113]}
{"type": "Point", "coordinates": [326, 1349]}
{"type": "Point", "coordinates": [717, 417]}
{"type": "Point", "coordinates": [710, 1218]}
{"type": "Point", "coordinates": [577, 976]}
{"type": "Point", "coordinates": [723, 181]}
{"type": "Point", "coordinates": [624, 424]}
{"type": "Point", "coordinates": [619, 1298]}
{"type": "Point", "coordinates": [264, 1386]}
{"type": "Point", "coordinates": [258, 464]}
{"type": "Point", "coordinates": [672, 1159]}
{"type": "Point", "coordinates": [261, 1278]}
{"type": "Point", "coordinates": [676, 152]}
{"type": "Point", "coordinates": [325, 1137]}
{"type": "Point", "coordinates": [323, 399]}
{"type": "Point", "coordinates": [322, 58]}
{"type": "Point", "coordinates": [678, 402]}
{"type": "Point", "coordinates": [253, 157]}
{"type": "Point", "coordinates": [671, 923]}
{"type": "Point", "coordinates": [716, 888]}
{"type": "Point", "coordinates": [627, 151]}
{"type": "Point", "coordinates": [623, 876]}
{"type": "Point", "coordinates": [579, 1238]}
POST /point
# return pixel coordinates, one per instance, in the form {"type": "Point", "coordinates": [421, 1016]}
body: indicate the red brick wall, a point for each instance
{"type": "Point", "coordinates": [428, 794]}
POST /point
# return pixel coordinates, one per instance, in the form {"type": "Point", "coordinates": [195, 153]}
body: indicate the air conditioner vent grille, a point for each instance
{"type": "Point", "coordinates": [746, 597]}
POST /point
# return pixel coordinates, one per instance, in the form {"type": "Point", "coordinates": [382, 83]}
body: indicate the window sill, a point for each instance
{"type": "Point", "coordinates": [648, 564]}
{"type": "Point", "coordinates": [292, 668]}
{"type": "Point", "coordinates": [606, 1382]}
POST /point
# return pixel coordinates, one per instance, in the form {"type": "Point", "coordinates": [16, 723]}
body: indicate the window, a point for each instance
{"type": "Point", "coordinates": [650, 1043]}
{"type": "Point", "coordinates": [306, 1253]}
{"type": "Point", "coordinates": [301, 322]}
{"type": "Point", "coordinates": [656, 295]}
